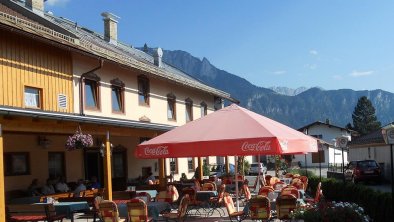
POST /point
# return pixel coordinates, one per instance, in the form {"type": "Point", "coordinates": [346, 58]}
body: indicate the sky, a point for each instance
{"type": "Point", "coordinates": [333, 44]}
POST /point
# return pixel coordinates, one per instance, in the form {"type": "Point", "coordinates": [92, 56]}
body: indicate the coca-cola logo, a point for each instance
{"type": "Point", "coordinates": [259, 146]}
{"type": "Point", "coordinates": [156, 151]}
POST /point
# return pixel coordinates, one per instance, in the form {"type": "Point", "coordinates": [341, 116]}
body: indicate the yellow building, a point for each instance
{"type": "Point", "coordinates": [56, 77]}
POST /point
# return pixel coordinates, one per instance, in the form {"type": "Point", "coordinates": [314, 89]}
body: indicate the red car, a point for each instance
{"type": "Point", "coordinates": [363, 170]}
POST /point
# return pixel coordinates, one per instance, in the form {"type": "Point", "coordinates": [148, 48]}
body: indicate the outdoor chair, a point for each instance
{"type": "Point", "coordinates": [254, 187]}
{"type": "Point", "coordinates": [208, 187]}
{"type": "Point", "coordinates": [268, 180]}
{"type": "Point", "coordinates": [260, 208]}
{"type": "Point", "coordinates": [264, 191]}
{"type": "Point", "coordinates": [193, 203]}
{"type": "Point", "coordinates": [289, 175]}
{"type": "Point", "coordinates": [279, 185]}
{"type": "Point", "coordinates": [296, 175]}
{"type": "Point", "coordinates": [144, 196]}
{"type": "Point", "coordinates": [290, 190]}
{"type": "Point", "coordinates": [232, 213]}
{"type": "Point", "coordinates": [285, 204]}
{"type": "Point", "coordinates": [317, 197]}
{"type": "Point", "coordinates": [182, 209]}
{"type": "Point", "coordinates": [197, 185]}
{"type": "Point", "coordinates": [137, 211]}
{"type": "Point", "coordinates": [108, 211]}
{"type": "Point", "coordinates": [297, 183]}
{"type": "Point", "coordinates": [247, 194]}
{"type": "Point", "coordinates": [304, 180]}
{"type": "Point", "coordinates": [217, 202]}
{"type": "Point", "coordinates": [274, 180]}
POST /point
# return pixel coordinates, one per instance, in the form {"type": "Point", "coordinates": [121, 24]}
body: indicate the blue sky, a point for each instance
{"type": "Point", "coordinates": [332, 44]}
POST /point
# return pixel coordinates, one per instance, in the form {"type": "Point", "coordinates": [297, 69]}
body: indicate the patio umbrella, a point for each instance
{"type": "Point", "coordinates": [231, 131]}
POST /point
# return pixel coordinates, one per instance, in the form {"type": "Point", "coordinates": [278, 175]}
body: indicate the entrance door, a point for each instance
{"type": "Point", "coordinates": [119, 168]}
{"type": "Point", "coordinates": [94, 165]}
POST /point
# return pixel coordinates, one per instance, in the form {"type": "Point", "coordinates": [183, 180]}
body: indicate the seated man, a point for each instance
{"type": "Point", "coordinates": [48, 188]}
{"type": "Point", "coordinates": [94, 183]}
{"type": "Point", "coordinates": [81, 187]}
{"type": "Point", "coordinates": [61, 185]}
{"type": "Point", "coordinates": [150, 178]}
{"type": "Point", "coordinates": [33, 189]}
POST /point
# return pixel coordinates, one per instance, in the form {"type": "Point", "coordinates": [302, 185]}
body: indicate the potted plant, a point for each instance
{"type": "Point", "coordinates": [79, 140]}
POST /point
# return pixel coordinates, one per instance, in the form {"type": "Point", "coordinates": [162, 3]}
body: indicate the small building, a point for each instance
{"type": "Point", "coordinates": [329, 154]}
{"type": "Point", "coordinates": [372, 147]}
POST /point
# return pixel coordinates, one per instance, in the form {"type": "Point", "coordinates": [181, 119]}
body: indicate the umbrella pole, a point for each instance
{"type": "Point", "coordinates": [236, 181]}
{"type": "Point", "coordinates": [258, 175]}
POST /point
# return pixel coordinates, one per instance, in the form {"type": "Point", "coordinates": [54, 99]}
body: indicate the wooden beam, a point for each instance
{"type": "Point", "coordinates": [162, 173]}
{"type": "Point", "coordinates": [200, 170]}
{"type": "Point", "coordinates": [2, 192]}
{"type": "Point", "coordinates": [107, 170]}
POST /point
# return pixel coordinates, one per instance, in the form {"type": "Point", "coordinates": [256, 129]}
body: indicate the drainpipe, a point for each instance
{"type": "Point", "coordinates": [81, 111]}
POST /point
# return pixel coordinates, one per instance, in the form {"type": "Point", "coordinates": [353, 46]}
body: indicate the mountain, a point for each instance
{"type": "Point", "coordinates": [288, 91]}
{"type": "Point", "coordinates": [296, 110]}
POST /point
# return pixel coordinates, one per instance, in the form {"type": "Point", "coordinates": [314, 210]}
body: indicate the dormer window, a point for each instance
{"type": "Point", "coordinates": [117, 95]}
{"type": "Point", "coordinates": [171, 107]}
{"type": "Point", "coordinates": [189, 110]}
{"type": "Point", "coordinates": [143, 90]}
{"type": "Point", "coordinates": [91, 83]}
{"type": "Point", "coordinates": [218, 103]}
{"type": "Point", "coordinates": [203, 109]}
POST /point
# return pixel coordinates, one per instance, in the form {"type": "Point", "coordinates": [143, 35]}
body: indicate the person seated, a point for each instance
{"type": "Point", "coordinates": [150, 178]}
{"type": "Point", "coordinates": [61, 185]}
{"type": "Point", "coordinates": [48, 188]}
{"type": "Point", "coordinates": [81, 187]}
{"type": "Point", "coordinates": [94, 183]}
{"type": "Point", "coordinates": [33, 189]}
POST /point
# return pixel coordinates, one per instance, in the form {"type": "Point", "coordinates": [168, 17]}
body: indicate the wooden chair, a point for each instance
{"type": "Point", "coordinates": [279, 185]}
{"type": "Point", "coordinates": [260, 208]}
{"type": "Point", "coordinates": [264, 191]}
{"type": "Point", "coordinates": [108, 211]}
{"type": "Point", "coordinates": [262, 183]}
{"type": "Point", "coordinates": [137, 211]}
{"type": "Point", "coordinates": [304, 180]}
{"type": "Point", "coordinates": [32, 212]}
{"type": "Point", "coordinates": [285, 204]}
{"type": "Point", "coordinates": [297, 183]}
{"type": "Point", "coordinates": [290, 190]}
{"type": "Point", "coordinates": [317, 197]}
{"type": "Point", "coordinates": [232, 213]}
{"type": "Point", "coordinates": [217, 202]}
{"type": "Point", "coordinates": [182, 209]}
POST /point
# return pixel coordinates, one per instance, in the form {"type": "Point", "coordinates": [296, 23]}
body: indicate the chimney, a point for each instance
{"type": "Point", "coordinates": [110, 27]}
{"type": "Point", "coordinates": [35, 5]}
{"type": "Point", "coordinates": [157, 56]}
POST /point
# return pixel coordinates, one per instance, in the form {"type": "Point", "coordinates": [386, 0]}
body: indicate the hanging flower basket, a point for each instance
{"type": "Point", "coordinates": [79, 140]}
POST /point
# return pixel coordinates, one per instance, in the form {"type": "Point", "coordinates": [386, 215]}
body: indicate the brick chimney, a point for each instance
{"type": "Point", "coordinates": [110, 27]}
{"type": "Point", "coordinates": [157, 57]}
{"type": "Point", "coordinates": [35, 5]}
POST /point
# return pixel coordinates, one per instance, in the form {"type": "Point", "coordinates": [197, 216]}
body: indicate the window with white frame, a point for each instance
{"type": "Point", "coordinates": [33, 97]}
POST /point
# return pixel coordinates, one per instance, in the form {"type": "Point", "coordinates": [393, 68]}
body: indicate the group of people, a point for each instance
{"type": "Point", "coordinates": [59, 185]}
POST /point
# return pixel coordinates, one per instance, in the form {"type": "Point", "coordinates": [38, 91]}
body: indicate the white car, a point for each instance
{"type": "Point", "coordinates": [255, 167]}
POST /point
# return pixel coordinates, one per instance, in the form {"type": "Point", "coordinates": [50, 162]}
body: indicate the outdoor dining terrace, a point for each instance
{"type": "Point", "coordinates": [288, 197]}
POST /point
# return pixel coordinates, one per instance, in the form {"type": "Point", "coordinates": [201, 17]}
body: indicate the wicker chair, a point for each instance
{"type": "Point", "coordinates": [262, 183]}
{"type": "Point", "coordinates": [298, 183]}
{"type": "Point", "coordinates": [264, 191]}
{"type": "Point", "coordinates": [182, 209]}
{"type": "Point", "coordinates": [144, 196]}
{"type": "Point", "coordinates": [290, 190]}
{"type": "Point", "coordinates": [137, 211]}
{"type": "Point", "coordinates": [285, 204]}
{"type": "Point", "coordinates": [108, 211]}
{"type": "Point", "coordinates": [232, 213]}
{"type": "Point", "coordinates": [274, 180]}
{"type": "Point", "coordinates": [304, 180]}
{"type": "Point", "coordinates": [279, 185]}
{"type": "Point", "coordinates": [260, 208]}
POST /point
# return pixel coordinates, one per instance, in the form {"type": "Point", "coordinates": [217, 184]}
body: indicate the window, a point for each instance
{"type": "Point", "coordinates": [189, 110]}
{"type": "Point", "coordinates": [33, 97]}
{"type": "Point", "coordinates": [218, 103]}
{"type": "Point", "coordinates": [16, 164]}
{"type": "Point", "coordinates": [171, 109]}
{"type": "Point", "coordinates": [117, 99]}
{"type": "Point", "coordinates": [91, 94]}
{"type": "Point", "coordinates": [191, 164]}
{"type": "Point", "coordinates": [143, 90]}
{"type": "Point", "coordinates": [56, 164]}
{"type": "Point", "coordinates": [315, 157]}
{"type": "Point", "coordinates": [118, 167]}
{"type": "Point", "coordinates": [174, 165]}
{"type": "Point", "coordinates": [204, 109]}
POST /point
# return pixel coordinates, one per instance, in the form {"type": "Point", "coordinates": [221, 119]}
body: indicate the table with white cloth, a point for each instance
{"type": "Point", "coordinates": [154, 209]}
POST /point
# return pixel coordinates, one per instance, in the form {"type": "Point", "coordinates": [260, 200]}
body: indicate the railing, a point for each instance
{"type": "Point", "coordinates": [36, 27]}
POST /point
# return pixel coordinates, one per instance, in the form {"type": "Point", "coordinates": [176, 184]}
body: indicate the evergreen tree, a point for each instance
{"type": "Point", "coordinates": [364, 118]}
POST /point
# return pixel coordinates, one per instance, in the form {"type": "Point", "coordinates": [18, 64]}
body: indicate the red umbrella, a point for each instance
{"type": "Point", "coordinates": [231, 131]}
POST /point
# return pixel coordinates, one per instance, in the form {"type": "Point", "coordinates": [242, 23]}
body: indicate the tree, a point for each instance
{"type": "Point", "coordinates": [364, 118]}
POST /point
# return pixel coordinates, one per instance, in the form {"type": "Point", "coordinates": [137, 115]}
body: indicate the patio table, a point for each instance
{"type": "Point", "coordinates": [154, 208]}
{"type": "Point", "coordinates": [68, 208]}
{"type": "Point", "coordinates": [25, 200]}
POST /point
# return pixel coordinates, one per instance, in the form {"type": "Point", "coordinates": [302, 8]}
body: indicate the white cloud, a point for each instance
{"type": "Point", "coordinates": [279, 72]}
{"type": "Point", "coordinates": [313, 52]}
{"type": "Point", "coordinates": [337, 77]}
{"type": "Point", "coordinates": [57, 2]}
{"type": "Point", "coordinates": [311, 66]}
{"type": "Point", "coordinates": [356, 73]}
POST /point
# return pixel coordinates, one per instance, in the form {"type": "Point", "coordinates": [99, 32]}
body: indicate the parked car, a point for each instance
{"type": "Point", "coordinates": [363, 170]}
{"type": "Point", "coordinates": [220, 169]}
{"type": "Point", "coordinates": [256, 167]}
